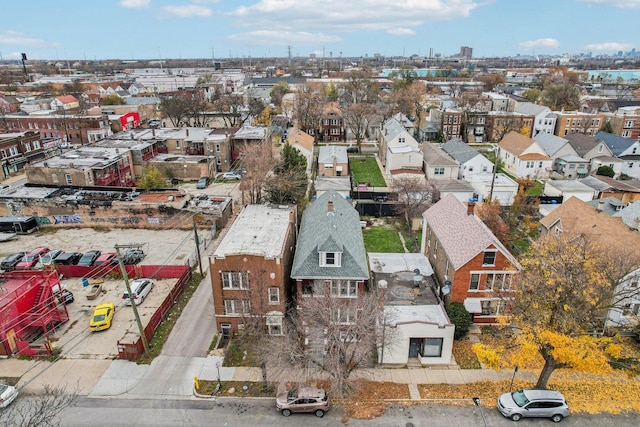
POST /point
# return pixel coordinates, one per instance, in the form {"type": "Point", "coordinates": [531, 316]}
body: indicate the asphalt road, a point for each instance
{"type": "Point", "coordinates": [253, 412]}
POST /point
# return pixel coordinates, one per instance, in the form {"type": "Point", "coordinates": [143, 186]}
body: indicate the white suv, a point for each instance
{"type": "Point", "coordinates": [140, 288]}
{"type": "Point", "coordinates": [533, 403]}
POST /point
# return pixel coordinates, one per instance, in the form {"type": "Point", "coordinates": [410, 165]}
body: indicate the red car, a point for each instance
{"type": "Point", "coordinates": [32, 258]}
{"type": "Point", "coordinates": [106, 258]}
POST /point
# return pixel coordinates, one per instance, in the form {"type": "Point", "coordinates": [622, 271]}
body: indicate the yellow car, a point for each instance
{"type": "Point", "coordinates": [102, 316]}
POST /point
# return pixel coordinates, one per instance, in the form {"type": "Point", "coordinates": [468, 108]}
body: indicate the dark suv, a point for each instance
{"type": "Point", "coordinates": [303, 399]}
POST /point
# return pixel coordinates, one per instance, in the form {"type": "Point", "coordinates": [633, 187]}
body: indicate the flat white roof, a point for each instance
{"type": "Point", "coordinates": [258, 230]}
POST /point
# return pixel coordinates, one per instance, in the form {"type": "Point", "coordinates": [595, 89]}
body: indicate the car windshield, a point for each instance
{"type": "Point", "coordinates": [292, 395]}
{"type": "Point", "coordinates": [3, 388]}
{"type": "Point", "coordinates": [29, 258]}
{"type": "Point", "coordinates": [520, 398]}
{"type": "Point", "coordinates": [98, 317]}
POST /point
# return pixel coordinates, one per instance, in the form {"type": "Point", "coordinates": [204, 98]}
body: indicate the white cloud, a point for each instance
{"type": "Point", "coordinates": [401, 32]}
{"type": "Point", "coordinates": [187, 11]}
{"type": "Point", "coordinates": [135, 4]}
{"type": "Point", "coordinates": [205, 1]}
{"type": "Point", "coordinates": [609, 46]}
{"type": "Point", "coordinates": [352, 15]}
{"type": "Point", "coordinates": [540, 44]}
{"type": "Point", "coordinates": [622, 4]}
{"type": "Point", "coordinates": [283, 38]}
{"type": "Point", "coordinates": [10, 37]}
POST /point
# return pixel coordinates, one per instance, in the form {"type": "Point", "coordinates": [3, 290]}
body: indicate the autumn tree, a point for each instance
{"type": "Point", "coordinates": [532, 94]}
{"type": "Point", "coordinates": [259, 162]}
{"type": "Point", "coordinates": [490, 213]}
{"type": "Point", "coordinates": [278, 91]}
{"type": "Point", "coordinates": [151, 178]}
{"type": "Point", "coordinates": [112, 100]}
{"type": "Point", "coordinates": [559, 89]}
{"type": "Point", "coordinates": [567, 286]}
{"type": "Point", "coordinates": [491, 80]}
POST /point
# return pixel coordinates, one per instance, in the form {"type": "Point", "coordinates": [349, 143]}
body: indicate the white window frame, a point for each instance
{"type": "Point", "coordinates": [438, 171]}
{"type": "Point", "coordinates": [337, 259]}
{"type": "Point", "coordinates": [274, 295]}
{"type": "Point", "coordinates": [237, 307]}
{"type": "Point", "coordinates": [495, 256]}
{"type": "Point", "coordinates": [477, 282]}
{"type": "Point", "coordinates": [344, 288]}
{"type": "Point", "coordinates": [234, 279]}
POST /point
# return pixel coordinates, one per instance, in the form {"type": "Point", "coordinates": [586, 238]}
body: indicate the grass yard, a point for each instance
{"type": "Point", "coordinates": [382, 239]}
{"type": "Point", "coordinates": [365, 169]}
{"type": "Point", "coordinates": [536, 190]}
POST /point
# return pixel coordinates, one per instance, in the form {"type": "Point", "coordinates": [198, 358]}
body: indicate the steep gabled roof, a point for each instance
{"type": "Point", "coordinates": [330, 224]}
{"type": "Point", "coordinates": [616, 144]}
{"type": "Point", "coordinates": [515, 143]}
{"type": "Point", "coordinates": [582, 143]}
{"type": "Point", "coordinates": [578, 217]}
{"type": "Point", "coordinates": [550, 143]}
{"type": "Point", "coordinates": [462, 236]}
{"type": "Point", "coordinates": [460, 151]}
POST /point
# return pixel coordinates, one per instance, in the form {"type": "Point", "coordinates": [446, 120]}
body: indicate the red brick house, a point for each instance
{"type": "Point", "coordinates": [466, 256]}
{"type": "Point", "coordinates": [250, 268]}
{"type": "Point", "coordinates": [332, 123]}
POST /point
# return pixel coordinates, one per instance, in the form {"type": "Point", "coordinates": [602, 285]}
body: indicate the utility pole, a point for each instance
{"type": "Point", "coordinates": [195, 233]}
{"type": "Point", "coordinates": [125, 276]}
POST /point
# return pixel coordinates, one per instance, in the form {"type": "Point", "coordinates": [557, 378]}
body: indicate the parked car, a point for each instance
{"type": "Point", "coordinates": [130, 257]}
{"type": "Point", "coordinates": [172, 181]}
{"type": "Point", "coordinates": [202, 183]}
{"type": "Point", "coordinates": [106, 258]}
{"type": "Point", "coordinates": [8, 394]}
{"type": "Point", "coordinates": [89, 258]}
{"type": "Point", "coordinates": [62, 294]}
{"type": "Point", "coordinates": [353, 149]}
{"type": "Point", "coordinates": [10, 261]}
{"type": "Point", "coordinates": [140, 288]}
{"type": "Point", "coordinates": [533, 403]}
{"type": "Point", "coordinates": [232, 175]}
{"type": "Point", "coordinates": [67, 258]}
{"type": "Point", "coordinates": [102, 316]}
{"type": "Point", "coordinates": [303, 399]}
{"type": "Point", "coordinates": [47, 259]}
{"type": "Point", "coordinates": [30, 259]}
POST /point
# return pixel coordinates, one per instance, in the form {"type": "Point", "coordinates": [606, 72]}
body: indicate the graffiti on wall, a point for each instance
{"type": "Point", "coordinates": [68, 219]}
{"type": "Point", "coordinates": [117, 220]}
{"type": "Point", "coordinates": [15, 209]}
{"type": "Point", "coordinates": [43, 220]}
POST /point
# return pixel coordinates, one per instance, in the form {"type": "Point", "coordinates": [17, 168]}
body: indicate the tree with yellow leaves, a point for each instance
{"type": "Point", "coordinates": [566, 289]}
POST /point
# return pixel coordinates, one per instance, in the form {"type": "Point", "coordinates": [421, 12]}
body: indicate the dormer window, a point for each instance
{"type": "Point", "coordinates": [330, 259]}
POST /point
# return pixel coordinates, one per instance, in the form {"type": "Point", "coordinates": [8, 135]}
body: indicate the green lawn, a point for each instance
{"type": "Point", "coordinates": [365, 169]}
{"type": "Point", "coordinates": [381, 239]}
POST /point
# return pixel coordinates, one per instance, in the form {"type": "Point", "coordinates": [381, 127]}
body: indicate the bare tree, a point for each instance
{"type": "Point", "coordinates": [308, 107]}
{"type": "Point", "coordinates": [360, 87]}
{"type": "Point", "coordinates": [358, 117]}
{"type": "Point", "coordinates": [176, 109]}
{"type": "Point", "coordinates": [38, 411]}
{"type": "Point", "coordinates": [259, 163]}
{"type": "Point", "coordinates": [335, 335]}
{"type": "Point", "coordinates": [415, 195]}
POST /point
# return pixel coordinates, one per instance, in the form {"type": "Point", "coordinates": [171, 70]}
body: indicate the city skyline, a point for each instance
{"type": "Point", "coordinates": [163, 29]}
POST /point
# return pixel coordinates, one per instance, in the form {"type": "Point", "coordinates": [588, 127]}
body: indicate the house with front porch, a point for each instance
{"type": "Point", "coordinates": [469, 261]}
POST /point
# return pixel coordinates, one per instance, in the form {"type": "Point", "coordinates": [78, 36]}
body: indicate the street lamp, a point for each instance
{"type": "Point", "coordinates": [476, 400]}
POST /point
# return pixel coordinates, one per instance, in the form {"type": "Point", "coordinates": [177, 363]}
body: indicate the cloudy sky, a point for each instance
{"type": "Point", "coordinates": [150, 29]}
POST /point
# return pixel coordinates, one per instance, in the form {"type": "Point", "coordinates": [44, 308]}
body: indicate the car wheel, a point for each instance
{"type": "Point", "coordinates": [516, 417]}
{"type": "Point", "coordinates": [319, 413]}
{"type": "Point", "coordinates": [286, 412]}
{"type": "Point", "coordinates": [556, 418]}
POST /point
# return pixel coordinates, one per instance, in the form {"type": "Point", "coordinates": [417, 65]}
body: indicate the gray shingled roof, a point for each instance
{"type": "Point", "coordinates": [617, 144]}
{"type": "Point", "coordinates": [327, 152]}
{"type": "Point", "coordinates": [462, 236]}
{"type": "Point", "coordinates": [530, 109]}
{"type": "Point", "coordinates": [550, 143]}
{"type": "Point", "coordinates": [460, 151]}
{"type": "Point", "coordinates": [337, 231]}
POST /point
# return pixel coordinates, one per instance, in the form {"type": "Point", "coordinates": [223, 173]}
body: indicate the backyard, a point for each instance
{"type": "Point", "coordinates": [366, 170]}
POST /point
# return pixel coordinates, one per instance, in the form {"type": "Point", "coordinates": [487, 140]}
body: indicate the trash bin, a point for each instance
{"type": "Point", "coordinates": [85, 282]}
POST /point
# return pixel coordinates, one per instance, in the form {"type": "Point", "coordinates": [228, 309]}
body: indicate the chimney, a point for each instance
{"type": "Point", "coordinates": [187, 131]}
{"type": "Point", "coordinates": [600, 206]}
{"type": "Point", "coordinates": [153, 132]}
{"type": "Point", "coordinates": [471, 206]}
{"type": "Point", "coordinates": [330, 206]}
